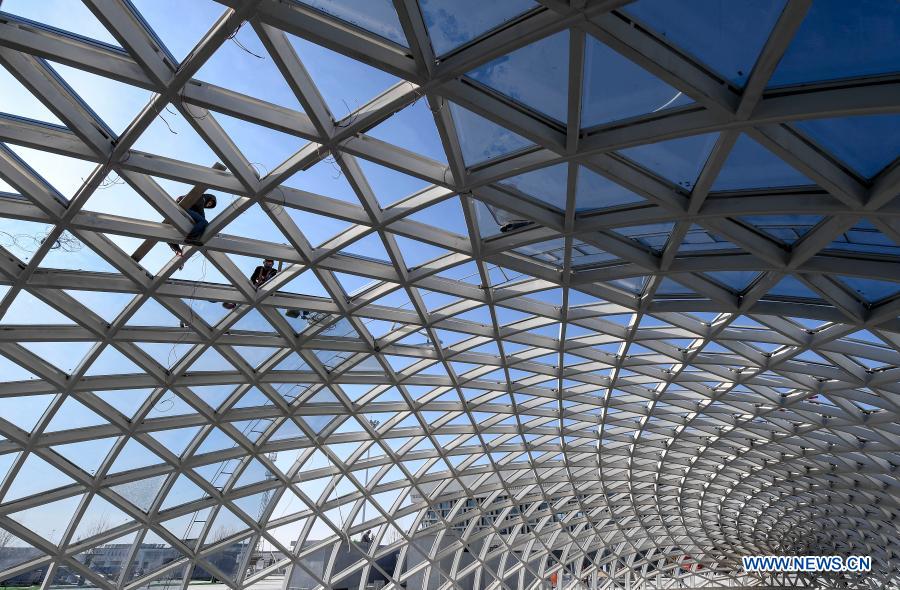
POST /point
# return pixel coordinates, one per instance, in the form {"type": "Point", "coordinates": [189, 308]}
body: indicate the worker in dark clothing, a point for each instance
{"type": "Point", "coordinates": [259, 277]}
{"type": "Point", "coordinates": [198, 214]}
{"type": "Point", "coordinates": [263, 273]}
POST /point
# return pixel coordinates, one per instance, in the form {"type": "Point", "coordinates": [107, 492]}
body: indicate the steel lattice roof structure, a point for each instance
{"type": "Point", "coordinates": [685, 351]}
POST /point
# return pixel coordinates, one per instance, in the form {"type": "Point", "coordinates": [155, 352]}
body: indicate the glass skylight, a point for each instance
{"type": "Point", "coordinates": [330, 294]}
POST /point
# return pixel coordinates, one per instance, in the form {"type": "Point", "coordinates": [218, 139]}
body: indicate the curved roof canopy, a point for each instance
{"type": "Point", "coordinates": [598, 288]}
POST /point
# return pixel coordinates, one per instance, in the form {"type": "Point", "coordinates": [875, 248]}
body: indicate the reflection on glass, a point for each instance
{"type": "Point", "coordinates": [736, 280]}
{"type": "Point", "coordinates": [452, 23]}
{"type": "Point", "coordinates": [377, 16]}
{"type": "Point", "coordinates": [536, 75]}
{"type": "Point", "coordinates": [546, 184]}
{"type": "Point", "coordinates": [553, 252]}
{"type": "Point", "coordinates": [698, 239]}
{"type": "Point", "coordinates": [750, 165]}
{"type": "Point", "coordinates": [670, 287]}
{"type": "Point", "coordinates": [865, 238]}
{"type": "Point", "coordinates": [678, 160]}
{"type": "Point", "coordinates": [791, 287]}
{"type": "Point", "coordinates": [653, 235]}
{"type": "Point", "coordinates": [871, 290]}
{"type": "Point", "coordinates": [594, 191]}
{"type": "Point", "coordinates": [785, 228]}
{"type": "Point", "coordinates": [481, 140]}
{"type": "Point", "coordinates": [616, 88]}
{"type": "Point", "coordinates": [723, 34]}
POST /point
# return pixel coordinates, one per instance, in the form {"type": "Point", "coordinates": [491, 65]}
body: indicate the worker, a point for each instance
{"type": "Point", "coordinates": [197, 214]}
{"type": "Point", "coordinates": [263, 273]}
{"type": "Point", "coordinates": [259, 277]}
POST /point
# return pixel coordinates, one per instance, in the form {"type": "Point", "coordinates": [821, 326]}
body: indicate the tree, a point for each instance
{"type": "Point", "coordinates": [6, 538]}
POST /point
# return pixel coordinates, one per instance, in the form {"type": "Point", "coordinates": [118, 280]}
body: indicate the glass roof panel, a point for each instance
{"type": "Point", "coordinates": [727, 36]}
{"type": "Point", "coordinates": [74, 17]}
{"type": "Point", "coordinates": [331, 70]}
{"type": "Point", "coordinates": [481, 140]}
{"type": "Point", "coordinates": [377, 16]}
{"type": "Point", "coordinates": [247, 68]}
{"type": "Point", "coordinates": [616, 88]}
{"type": "Point", "coordinates": [444, 307]}
{"type": "Point", "coordinates": [791, 287]}
{"type": "Point", "coordinates": [413, 129]}
{"type": "Point", "coordinates": [866, 144]}
{"type": "Point", "coordinates": [736, 280]}
{"type": "Point", "coordinates": [536, 75]}
{"type": "Point", "coordinates": [594, 191]}
{"type": "Point", "coordinates": [871, 290]}
{"type": "Point", "coordinates": [180, 35]}
{"type": "Point", "coordinates": [452, 23]}
{"type": "Point", "coordinates": [584, 254]}
{"type": "Point", "coordinates": [546, 184]}
{"type": "Point", "coordinates": [17, 100]}
{"type": "Point", "coordinates": [654, 236]}
{"type": "Point", "coordinates": [678, 160]}
{"type": "Point", "coordinates": [698, 239]}
{"type": "Point", "coordinates": [842, 40]}
{"type": "Point", "coordinates": [785, 228]}
{"type": "Point", "coordinates": [865, 237]}
{"type": "Point", "coordinates": [752, 166]}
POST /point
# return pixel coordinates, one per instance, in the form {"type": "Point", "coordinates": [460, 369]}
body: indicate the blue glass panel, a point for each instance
{"type": "Point", "coordinates": [737, 280]}
{"type": "Point", "coordinates": [616, 88]}
{"type": "Point", "coordinates": [480, 139]}
{"type": "Point", "coordinates": [551, 251]}
{"type": "Point", "coordinates": [724, 34]}
{"type": "Point", "coordinates": [865, 144]}
{"type": "Point", "coordinates": [786, 228]}
{"type": "Point", "coordinates": [536, 75]}
{"type": "Point", "coordinates": [653, 235]}
{"type": "Point", "coordinates": [840, 39]}
{"type": "Point", "coordinates": [451, 23]}
{"type": "Point", "coordinates": [750, 165]}
{"type": "Point", "coordinates": [377, 16]}
{"type": "Point", "coordinates": [588, 255]}
{"type": "Point", "coordinates": [678, 160]}
{"type": "Point", "coordinates": [546, 184]}
{"type": "Point", "coordinates": [670, 287]}
{"type": "Point", "coordinates": [698, 239]}
{"type": "Point", "coordinates": [632, 285]}
{"type": "Point", "coordinates": [594, 191]}
{"type": "Point", "coordinates": [791, 287]}
{"type": "Point", "coordinates": [871, 290]}
{"type": "Point", "coordinates": [865, 237]}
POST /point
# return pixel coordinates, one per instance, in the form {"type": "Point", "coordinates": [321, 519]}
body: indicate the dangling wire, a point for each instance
{"type": "Point", "coordinates": [166, 121]}
{"type": "Point", "coordinates": [184, 335]}
{"type": "Point", "coordinates": [233, 37]}
{"type": "Point", "coordinates": [351, 115]}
